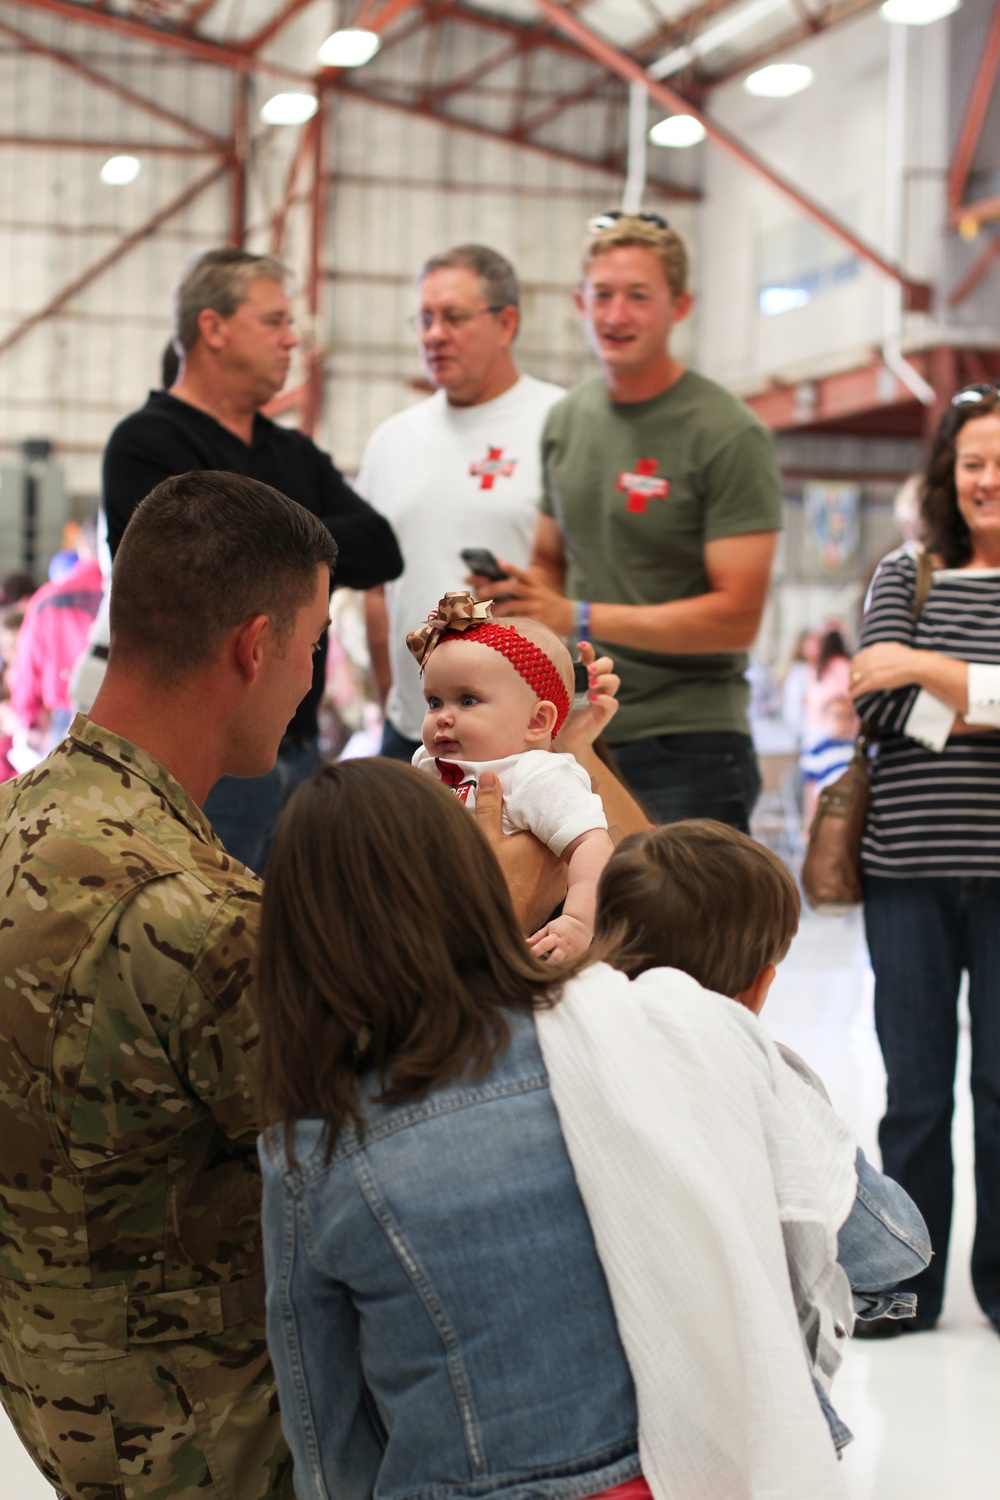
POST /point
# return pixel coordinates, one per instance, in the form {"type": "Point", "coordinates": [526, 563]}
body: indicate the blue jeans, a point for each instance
{"type": "Point", "coordinates": [244, 810]}
{"type": "Point", "coordinates": [922, 933]}
{"type": "Point", "coordinates": [708, 775]}
{"type": "Point", "coordinates": [882, 1242]}
{"type": "Point", "coordinates": [395, 745]}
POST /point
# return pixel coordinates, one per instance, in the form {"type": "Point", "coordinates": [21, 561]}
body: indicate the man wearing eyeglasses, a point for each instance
{"type": "Point", "coordinates": [658, 528]}
{"type": "Point", "coordinates": [459, 470]}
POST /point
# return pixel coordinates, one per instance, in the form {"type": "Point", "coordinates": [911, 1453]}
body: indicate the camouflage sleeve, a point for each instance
{"type": "Point", "coordinates": [172, 989]}
{"type": "Point", "coordinates": [213, 1032]}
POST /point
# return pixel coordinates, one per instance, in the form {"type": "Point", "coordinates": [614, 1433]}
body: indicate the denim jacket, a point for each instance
{"type": "Point", "coordinates": [440, 1325]}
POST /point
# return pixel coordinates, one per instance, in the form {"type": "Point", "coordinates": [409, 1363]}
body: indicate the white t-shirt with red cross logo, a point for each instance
{"type": "Point", "coordinates": [450, 477]}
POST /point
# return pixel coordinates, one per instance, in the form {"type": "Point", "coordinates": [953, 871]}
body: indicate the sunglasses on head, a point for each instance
{"type": "Point", "coordinates": [971, 395]}
{"type": "Point", "coordinates": [606, 220]}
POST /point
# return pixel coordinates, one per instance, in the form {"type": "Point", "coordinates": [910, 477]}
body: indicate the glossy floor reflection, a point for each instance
{"type": "Point", "coordinates": [923, 1408]}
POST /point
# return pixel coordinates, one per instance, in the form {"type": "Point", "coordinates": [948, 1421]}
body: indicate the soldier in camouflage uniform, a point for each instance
{"type": "Point", "coordinates": [132, 1354]}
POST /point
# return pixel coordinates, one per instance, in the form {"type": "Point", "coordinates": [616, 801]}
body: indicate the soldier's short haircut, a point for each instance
{"type": "Point", "coordinates": [496, 274]}
{"type": "Point", "coordinates": [698, 896]}
{"type": "Point", "coordinates": [218, 279]}
{"type": "Point", "coordinates": [203, 554]}
{"type": "Point", "coordinates": [666, 245]}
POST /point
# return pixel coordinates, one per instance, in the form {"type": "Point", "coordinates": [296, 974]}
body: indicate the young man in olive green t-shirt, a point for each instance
{"type": "Point", "coordinates": [657, 532]}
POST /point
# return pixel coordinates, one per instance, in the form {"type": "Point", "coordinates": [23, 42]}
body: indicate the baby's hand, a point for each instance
{"type": "Point", "coordinates": [563, 937]}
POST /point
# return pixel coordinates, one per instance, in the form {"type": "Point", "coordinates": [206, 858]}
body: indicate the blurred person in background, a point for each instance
{"type": "Point", "coordinates": [53, 636]}
{"type": "Point", "coordinates": [793, 676]}
{"type": "Point", "coordinates": [829, 677]}
{"type": "Point", "coordinates": [828, 756]}
{"type": "Point", "coordinates": [10, 624]}
{"type": "Point", "coordinates": [15, 587]}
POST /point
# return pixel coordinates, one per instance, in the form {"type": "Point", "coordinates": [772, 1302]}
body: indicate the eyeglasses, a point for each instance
{"type": "Point", "coordinates": [452, 317]}
{"type": "Point", "coordinates": [971, 395]}
{"type": "Point", "coordinates": [606, 220]}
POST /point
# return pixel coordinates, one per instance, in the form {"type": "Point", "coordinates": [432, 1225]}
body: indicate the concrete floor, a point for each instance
{"type": "Point", "coordinates": [923, 1408]}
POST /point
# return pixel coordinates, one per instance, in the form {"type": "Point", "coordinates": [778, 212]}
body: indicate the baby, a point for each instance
{"type": "Point", "coordinates": [703, 898]}
{"type": "Point", "coordinates": [497, 694]}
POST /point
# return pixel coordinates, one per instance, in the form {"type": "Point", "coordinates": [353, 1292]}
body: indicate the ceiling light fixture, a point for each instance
{"type": "Point", "coordinates": [918, 12]}
{"type": "Point", "coordinates": [119, 170]}
{"type": "Point", "coordinates": [289, 109]}
{"type": "Point", "coordinates": [779, 80]}
{"type": "Point", "coordinates": [678, 131]}
{"type": "Point", "coordinates": [349, 48]}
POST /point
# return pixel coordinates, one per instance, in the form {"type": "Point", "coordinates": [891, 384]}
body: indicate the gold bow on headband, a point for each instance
{"type": "Point", "coordinates": [456, 611]}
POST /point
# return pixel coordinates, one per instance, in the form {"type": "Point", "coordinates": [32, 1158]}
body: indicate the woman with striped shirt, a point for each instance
{"type": "Point", "coordinates": [928, 679]}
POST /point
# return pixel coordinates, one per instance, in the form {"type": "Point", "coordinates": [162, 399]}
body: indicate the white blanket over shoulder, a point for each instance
{"type": "Point", "coordinates": [695, 1147]}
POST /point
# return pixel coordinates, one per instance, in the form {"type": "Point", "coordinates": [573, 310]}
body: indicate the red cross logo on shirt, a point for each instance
{"type": "Point", "coordinates": [641, 487]}
{"type": "Point", "coordinates": [487, 469]}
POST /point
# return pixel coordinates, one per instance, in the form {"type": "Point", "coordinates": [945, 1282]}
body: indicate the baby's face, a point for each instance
{"type": "Point", "coordinates": [478, 705]}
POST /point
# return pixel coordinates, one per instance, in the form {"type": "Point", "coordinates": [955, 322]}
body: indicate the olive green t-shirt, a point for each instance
{"type": "Point", "coordinates": [637, 490]}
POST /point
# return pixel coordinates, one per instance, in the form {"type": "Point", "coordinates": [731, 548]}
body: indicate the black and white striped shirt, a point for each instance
{"type": "Point", "coordinates": [932, 812]}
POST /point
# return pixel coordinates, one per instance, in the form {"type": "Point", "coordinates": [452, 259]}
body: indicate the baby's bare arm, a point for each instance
{"type": "Point", "coordinates": [569, 934]}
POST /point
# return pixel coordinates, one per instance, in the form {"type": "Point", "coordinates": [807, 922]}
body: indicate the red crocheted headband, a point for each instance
{"type": "Point", "coordinates": [527, 659]}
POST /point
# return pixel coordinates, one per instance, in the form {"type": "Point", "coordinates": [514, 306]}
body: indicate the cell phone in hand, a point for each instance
{"type": "Point", "coordinates": [581, 678]}
{"type": "Point", "coordinates": [481, 560]}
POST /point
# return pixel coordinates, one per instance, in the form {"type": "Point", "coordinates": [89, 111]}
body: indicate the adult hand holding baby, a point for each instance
{"type": "Point", "coordinates": [535, 877]}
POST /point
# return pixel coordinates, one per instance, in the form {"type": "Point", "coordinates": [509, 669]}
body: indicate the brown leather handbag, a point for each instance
{"type": "Point", "coordinates": [831, 870]}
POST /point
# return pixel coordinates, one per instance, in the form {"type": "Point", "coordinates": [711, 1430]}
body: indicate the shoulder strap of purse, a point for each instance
{"type": "Point", "coordinates": [925, 577]}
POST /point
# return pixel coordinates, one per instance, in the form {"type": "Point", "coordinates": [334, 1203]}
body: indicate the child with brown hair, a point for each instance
{"type": "Point", "coordinates": [497, 704]}
{"type": "Point", "coordinates": [703, 898]}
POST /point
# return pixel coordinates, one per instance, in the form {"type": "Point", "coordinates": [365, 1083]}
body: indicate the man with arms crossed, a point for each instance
{"type": "Point", "coordinates": [234, 333]}
{"type": "Point", "coordinates": [461, 469]}
{"type": "Point", "coordinates": [659, 521]}
{"type": "Point", "coordinates": [133, 1360]}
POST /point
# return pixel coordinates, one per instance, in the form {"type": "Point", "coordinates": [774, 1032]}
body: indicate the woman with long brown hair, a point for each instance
{"type": "Point", "coordinates": [439, 1317]}
{"type": "Point", "coordinates": [927, 678]}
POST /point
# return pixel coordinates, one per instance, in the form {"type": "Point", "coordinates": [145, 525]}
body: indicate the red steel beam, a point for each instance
{"type": "Point", "coordinates": [28, 43]}
{"type": "Point", "coordinates": [548, 112]}
{"type": "Point", "coordinates": [847, 393]}
{"type": "Point", "coordinates": [279, 218]}
{"type": "Point", "coordinates": [112, 256]}
{"type": "Point", "coordinates": [111, 147]}
{"type": "Point", "coordinates": [238, 162]}
{"type": "Point", "coordinates": [975, 116]}
{"type": "Point", "coordinates": [455, 122]}
{"type": "Point", "coordinates": [215, 53]}
{"type": "Point", "coordinates": [976, 272]}
{"type": "Point", "coordinates": [472, 75]}
{"type": "Point", "coordinates": [981, 211]}
{"type": "Point", "coordinates": [488, 21]}
{"type": "Point", "coordinates": [281, 17]}
{"type": "Point", "coordinates": [811, 25]}
{"type": "Point", "coordinates": [916, 295]}
{"type": "Point", "coordinates": [313, 396]}
{"type": "Point", "coordinates": [196, 15]}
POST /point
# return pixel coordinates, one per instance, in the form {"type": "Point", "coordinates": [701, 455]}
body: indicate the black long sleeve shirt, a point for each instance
{"type": "Point", "coordinates": [168, 437]}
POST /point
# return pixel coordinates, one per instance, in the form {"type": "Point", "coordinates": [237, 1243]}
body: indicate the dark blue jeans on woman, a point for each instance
{"type": "Point", "coordinates": [922, 933]}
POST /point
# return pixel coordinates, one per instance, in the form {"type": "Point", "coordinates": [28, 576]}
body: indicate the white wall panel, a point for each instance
{"type": "Point", "coordinates": [831, 141]}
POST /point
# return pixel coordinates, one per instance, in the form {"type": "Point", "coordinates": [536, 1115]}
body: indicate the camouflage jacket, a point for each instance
{"type": "Point", "coordinates": [131, 1340]}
